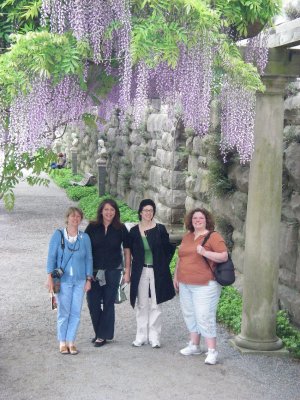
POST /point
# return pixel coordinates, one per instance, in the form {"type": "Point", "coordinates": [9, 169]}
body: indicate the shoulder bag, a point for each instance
{"type": "Point", "coordinates": [224, 272]}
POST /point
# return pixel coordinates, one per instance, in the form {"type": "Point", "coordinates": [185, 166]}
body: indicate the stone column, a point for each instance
{"type": "Point", "coordinates": [74, 160]}
{"type": "Point", "coordinates": [74, 149]}
{"type": "Point", "coordinates": [102, 167]}
{"type": "Point", "coordinates": [261, 263]}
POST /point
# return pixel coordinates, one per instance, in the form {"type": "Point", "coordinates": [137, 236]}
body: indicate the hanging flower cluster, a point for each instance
{"type": "Point", "coordinates": [257, 51]}
{"type": "Point", "coordinates": [104, 24]}
{"type": "Point", "coordinates": [237, 120]}
{"type": "Point", "coordinates": [36, 117]}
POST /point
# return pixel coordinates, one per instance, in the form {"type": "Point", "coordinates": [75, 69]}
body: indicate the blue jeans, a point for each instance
{"type": "Point", "coordinates": [199, 307]}
{"type": "Point", "coordinates": [101, 303]}
{"type": "Point", "coordinates": [69, 299]}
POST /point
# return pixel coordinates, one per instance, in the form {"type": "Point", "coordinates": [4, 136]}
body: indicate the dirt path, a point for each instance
{"type": "Point", "coordinates": [32, 368]}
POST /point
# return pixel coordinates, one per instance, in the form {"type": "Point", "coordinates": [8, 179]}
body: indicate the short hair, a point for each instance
{"type": "Point", "coordinates": [116, 223]}
{"type": "Point", "coordinates": [210, 223]}
{"type": "Point", "coordinates": [144, 203]}
{"type": "Point", "coordinates": [72, 210]}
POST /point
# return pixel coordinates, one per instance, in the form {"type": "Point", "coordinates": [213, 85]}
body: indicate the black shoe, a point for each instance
{"type": "Point", "coordinates": [93, 340]}
{"type": "Point", "coordinates": [100, 344]}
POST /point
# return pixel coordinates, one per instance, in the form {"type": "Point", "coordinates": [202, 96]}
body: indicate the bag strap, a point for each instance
{"type": "Point", "coordinates": [62, 239]}
{"type": "Point", "coordinates": [203, 243]}
{"type": "Point", "coordinates": [62, 243]}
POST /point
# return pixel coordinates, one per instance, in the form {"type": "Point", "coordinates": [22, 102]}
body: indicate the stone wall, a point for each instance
{"type": "Point", "coordinates": [149, 162]}
{"type": "Point", "coordinates": [165, 162]}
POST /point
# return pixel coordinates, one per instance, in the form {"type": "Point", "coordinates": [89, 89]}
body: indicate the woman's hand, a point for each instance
{"type": "Point", "coordinates": [201, 250]}
{"type": "Point", "coordinates": [176, 284]}
{"type": "Point", "coordinates": [49, 283]}
{"type": "Point", "coordinates": [88, 285]}
{"type": "Point", "coordinates": [126, 277]}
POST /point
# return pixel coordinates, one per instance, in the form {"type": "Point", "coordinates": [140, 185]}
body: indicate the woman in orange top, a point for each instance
{"type": "Point", "coordinates": [199, 292]}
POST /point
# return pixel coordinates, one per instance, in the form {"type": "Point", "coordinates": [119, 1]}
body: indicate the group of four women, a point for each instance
{"type": "Point", "coordinates": [94, 261]}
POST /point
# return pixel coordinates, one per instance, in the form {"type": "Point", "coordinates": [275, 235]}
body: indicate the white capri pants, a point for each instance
{"type": "Point", "coordinates": [199, 307]}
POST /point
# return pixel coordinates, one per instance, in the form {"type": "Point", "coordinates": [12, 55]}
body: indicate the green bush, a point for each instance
{"type": "Point", "coordinates": [89, 205]}
{"type": "Point", "coordinates": [229, 310]}
{"type": "Point", "coordinates": [76, 193]}
{"type": "Point", "coordinates": [62, 177]}
{"type": "Point", "coordinates": [289, 335]}
{"type": "Point", "coordinates": [174, 262]}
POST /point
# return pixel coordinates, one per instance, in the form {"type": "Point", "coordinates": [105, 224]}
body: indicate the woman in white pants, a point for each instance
{"type": "Point", "coordinates": [151, 281]}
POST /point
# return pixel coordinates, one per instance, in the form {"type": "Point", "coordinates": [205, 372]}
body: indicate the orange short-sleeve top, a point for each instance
{"type": "Point", "coordinates": [192, 267]}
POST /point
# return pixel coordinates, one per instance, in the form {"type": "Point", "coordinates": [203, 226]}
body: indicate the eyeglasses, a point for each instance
{"type": "Point", "coordinates": [76, 246]}
{"type": "Point", "coordinates": [147, 210]}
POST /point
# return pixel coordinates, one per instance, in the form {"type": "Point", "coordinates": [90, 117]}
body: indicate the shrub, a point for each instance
{"type": "Point", "coordinates": [289, 335]}
{"type": "Point", "coordinates": [76, 193]}
{"type": "Point", "coordinates": [62, 177]}
{"type": "Point", "coordinates": [229, 310]}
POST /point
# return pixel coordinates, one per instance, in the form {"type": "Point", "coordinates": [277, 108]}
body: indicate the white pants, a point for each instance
{"type": "Point", "coordinates": [148, 312]}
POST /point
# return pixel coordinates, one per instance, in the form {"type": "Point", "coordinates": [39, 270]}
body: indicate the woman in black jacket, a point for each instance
{"type": "Point", "coordinates": [151, 281]}
{"type": "Point", "coordinates": [109, 238]}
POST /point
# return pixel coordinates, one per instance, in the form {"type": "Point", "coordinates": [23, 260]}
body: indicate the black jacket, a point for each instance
{"type": "Point", "coordinates": [162, 251]}
{"type": "Point", "coordinates": [106, 248]}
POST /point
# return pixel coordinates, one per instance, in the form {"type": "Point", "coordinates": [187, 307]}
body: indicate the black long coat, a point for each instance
{"type": "Point", "coordinates": [162, 251]}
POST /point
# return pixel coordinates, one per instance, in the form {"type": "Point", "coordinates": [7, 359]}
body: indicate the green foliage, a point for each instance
{"type": "Point", "coordinates": [159, 26]}
{"type": "Point", "coordinates": [88, 197]}
{"type": "Point", "coordinates": [76, 193]}
{"type": "Point", "coordinates": [90, 204]}
{"type": "Point", "coordinates": [18, 16]}
{"type": "Point", "coordinates": [242, 13]}
{"type": "Point", "coordinates": [229, 313]}
{"type": "Point", "coordinates": [17, 167]}
{"type": "Point", "coordinates": [289, 335]}
{"type": "Point", "coordinates": [40, 54]}
{"type": "Point", "coordinates": [229, 310]}
{"type": "Point", "coordinates": [219, 183]}
{"type": "Point", "coordinates": [174, 262]}
{"type": "Point", "coordinates": [62, 177]}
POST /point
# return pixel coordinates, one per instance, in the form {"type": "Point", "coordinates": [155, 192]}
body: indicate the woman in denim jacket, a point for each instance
{"type": "Point", "coordinates": [70, 250]}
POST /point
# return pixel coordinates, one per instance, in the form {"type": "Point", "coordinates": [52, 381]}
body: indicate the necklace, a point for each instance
{"type": "Point", "coordinates": [73, 240]}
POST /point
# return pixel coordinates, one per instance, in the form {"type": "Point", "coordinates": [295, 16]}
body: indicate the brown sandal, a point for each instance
{"type": "Point", "coordinates": [64, 350]}
{"type": "Point", "coordinates": [73, 350]}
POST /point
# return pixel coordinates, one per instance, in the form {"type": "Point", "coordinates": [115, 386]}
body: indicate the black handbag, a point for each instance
{"type": "Point", "coordinates": [224, 272]}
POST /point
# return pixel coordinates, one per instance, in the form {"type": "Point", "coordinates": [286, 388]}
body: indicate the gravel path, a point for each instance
{"type": "Point", "coordinates": [32, 368]}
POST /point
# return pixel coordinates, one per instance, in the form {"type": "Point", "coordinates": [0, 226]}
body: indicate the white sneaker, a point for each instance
{"type": "Point", "coordinates": [155, 345]}
{"type": "Point", "coordinates": [212, 356]}
{"type": "Point", "coordinates": [137, 343]}
{"type": "Point", "coordinates": [190, 349]}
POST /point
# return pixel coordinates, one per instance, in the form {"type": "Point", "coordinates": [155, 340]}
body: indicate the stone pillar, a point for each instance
{"type": "Point", "coordinates": [74, 149]}
{"type": "Point", "coordinates": [102, 167]}
{"type": "Point", "coordinates": [261, 263]}
{"type": "Point", "coordinates": [74, 160]}
{"type": "Point", "coordinates": [102, 172]}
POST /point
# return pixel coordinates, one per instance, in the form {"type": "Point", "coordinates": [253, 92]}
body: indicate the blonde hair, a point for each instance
{"type": "Point", "coordinates": [73, 210]}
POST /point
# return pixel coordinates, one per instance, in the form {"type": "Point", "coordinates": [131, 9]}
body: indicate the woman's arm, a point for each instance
{"type": "Point", "coordinates": [89, 263]}
{"type": "Point", "coordinates": [175, 281]}
{"type": "Point", "coordinates": [212, 255]}
{"type": "Point", "coordinates": [127, 258]}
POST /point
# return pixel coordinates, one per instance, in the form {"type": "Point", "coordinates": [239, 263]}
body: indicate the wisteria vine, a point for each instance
{"type": "Point", "coordinates": [106, 26]}
{"type": "Point", "coordinates": [36, 117]}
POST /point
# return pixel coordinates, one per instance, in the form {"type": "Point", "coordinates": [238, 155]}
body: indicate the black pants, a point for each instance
{"type": "Point", "coordinates": [101, 303]}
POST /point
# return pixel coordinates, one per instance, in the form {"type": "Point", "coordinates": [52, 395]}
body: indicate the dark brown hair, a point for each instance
{"type": "Point", "coordinates": [210, 223]}
{"type": "Point", "coordinates": [116, 223]}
